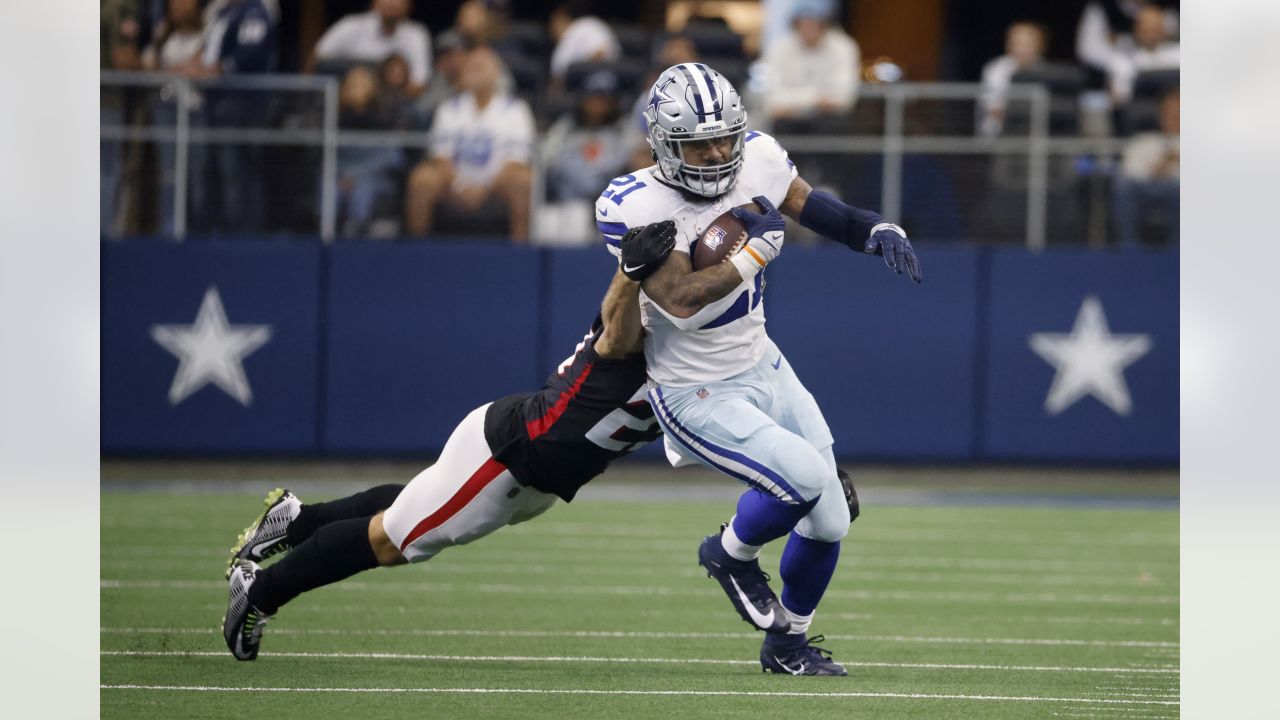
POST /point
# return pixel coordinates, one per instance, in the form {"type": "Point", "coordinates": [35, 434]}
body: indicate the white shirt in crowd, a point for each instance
{"type": "Point", "coordinates": [997, 75]}
{"type": "Point", "coordinates": [359, 37]}
{"type": "Point", "coordinates": [177, 49]}
{"type": "Point", "coordinates": [481, 141]}
{"type": "Point", "coordinates": [582, 40]}
{"type": "Point", "coordinates": [1125, 66]}
{"type": "Point", "coordinates": [799, 76]}
{"type": "Point", "coordinates": [1146, 152]}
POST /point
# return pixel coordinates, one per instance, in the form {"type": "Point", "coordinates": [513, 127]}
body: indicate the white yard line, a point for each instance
{"type": "Point", "coordinates": [647, 591]}
{"type": "Point", "coordinates": [850, 576]}
{"type": "Point", "coordinates": [602, 659]}
{"type": "Point", "coordinates": [660, 558]}
{"type": "Point", "coordinates": [676, 693]}
{"type": "Point", "coordinates": [671, 635]}
{"type": "Point", "coordinates": [934, 534]}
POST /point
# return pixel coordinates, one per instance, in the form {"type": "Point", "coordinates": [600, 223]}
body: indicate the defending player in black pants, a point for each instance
{"type": "Point", "coordinates": [506, 462]}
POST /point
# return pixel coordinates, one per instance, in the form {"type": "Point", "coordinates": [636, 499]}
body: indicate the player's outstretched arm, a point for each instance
{"type": "Point", "coordinates": [643, 251]}
{"type": "Point", "coordinates": [862, 230]}
{"type": "Point", "coordinates": [623, 332]}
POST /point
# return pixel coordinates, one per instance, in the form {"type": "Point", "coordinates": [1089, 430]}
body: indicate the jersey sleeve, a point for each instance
{"type": "Point", "coordinates": [767, 167]}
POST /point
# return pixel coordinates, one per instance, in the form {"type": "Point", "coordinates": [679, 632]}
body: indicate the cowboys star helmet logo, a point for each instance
{"type": "Point", "coordinates": [660, 96]}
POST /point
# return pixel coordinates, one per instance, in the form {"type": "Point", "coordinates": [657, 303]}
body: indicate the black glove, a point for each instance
{"type": "Point", "coordinates": [850, 495]}
{"type": "Point", "coordinates": [644, 248]}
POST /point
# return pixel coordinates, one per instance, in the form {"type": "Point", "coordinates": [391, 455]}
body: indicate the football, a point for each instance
{"type": "Point", "coordinates": [722, 238]}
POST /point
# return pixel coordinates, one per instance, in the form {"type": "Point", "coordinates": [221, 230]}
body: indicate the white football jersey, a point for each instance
{"type": "Point", "coordinates": [726, 337]}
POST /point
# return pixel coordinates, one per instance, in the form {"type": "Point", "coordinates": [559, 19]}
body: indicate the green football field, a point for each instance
{"type": "Point", "coordinates": [598, 609]}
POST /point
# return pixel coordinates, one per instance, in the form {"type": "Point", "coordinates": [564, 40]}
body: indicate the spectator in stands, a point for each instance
{"type": "Point", "coordinates": [1106, 27]}
{"type": "Point", "coordinates": [365, 174]}
{"type": "Point", "coordinates": [178, 42]}
{"type": "Point", "coordinates": [813, 71]}
{"type": "Point", "coordinates": [176, 47]}
{"type": "Point", "coordinates": [118, 47]}
{"type": "Point", "coordinates": [240, 38]}
{"type": "Point", "coordinates": [579, 37]}
{"type": "Point", "coordinates": [373, 36]}
{"type": "Point", "coordinates": [1024, 47]}
{"type": "Point", "coordinates": [397, 95]}
{"type": "Point", "coordinates": [1148, 181]}
{"type": "Point", "coordinates": [480, 22]}
{"type": "Point", "coordinates": [451, 53]}
{"type": "Point", "coordinates": [675, 49]}
{"type": "Point", "coordinates": [481, 140]}
{"type": "Point", "coordinates": [1152, 50]}
{"type": "Point", "coordinates": [582, 153]}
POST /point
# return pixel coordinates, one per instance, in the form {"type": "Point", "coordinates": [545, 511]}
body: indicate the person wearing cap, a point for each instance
{"type": "Point", "coordinates": [813, 70]}
{"type": "Point", "coordinates": [582, 151]}
{"type": "Point", "coordinates": [451, 53]}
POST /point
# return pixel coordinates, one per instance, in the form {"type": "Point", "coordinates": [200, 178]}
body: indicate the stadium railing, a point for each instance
{"type": "Point", "coordinates": [912, 149]}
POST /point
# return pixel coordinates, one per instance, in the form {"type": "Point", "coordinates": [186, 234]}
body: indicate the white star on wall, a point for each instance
{"type": "Point", "coordinates": [211, 351]}
{"type": "Point", "coordinates": [1089, 361]}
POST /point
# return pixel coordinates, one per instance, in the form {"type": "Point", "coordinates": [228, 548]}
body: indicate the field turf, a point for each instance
{"type": "Point", "coordinates": [598, 609]}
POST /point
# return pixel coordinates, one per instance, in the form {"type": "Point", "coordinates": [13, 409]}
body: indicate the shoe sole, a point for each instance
{"type": "Point", "coordinates": [269, 502]}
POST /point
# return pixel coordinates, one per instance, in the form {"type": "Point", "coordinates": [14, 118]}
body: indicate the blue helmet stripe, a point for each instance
{"type": "Point", "coordinates": [711, 87]}
{"type": "Point", "coordinates": [697, 96]}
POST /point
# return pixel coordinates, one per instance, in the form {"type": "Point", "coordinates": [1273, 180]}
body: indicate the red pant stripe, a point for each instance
{"type": "Point", "coordinates": [472, 487]}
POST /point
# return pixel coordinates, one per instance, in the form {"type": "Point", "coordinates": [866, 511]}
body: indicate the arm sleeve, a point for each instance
{"type": "Point", "coordinates": [610, 223]}
{"type": "Point", "coordinates": [771, 170]}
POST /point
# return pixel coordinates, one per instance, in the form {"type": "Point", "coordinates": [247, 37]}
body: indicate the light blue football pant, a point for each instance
{"type": "Point", "coordinates": [764, 428]}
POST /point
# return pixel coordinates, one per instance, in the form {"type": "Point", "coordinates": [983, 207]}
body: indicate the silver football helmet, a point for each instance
{"type": "Point", "coordinates": [690, 102]}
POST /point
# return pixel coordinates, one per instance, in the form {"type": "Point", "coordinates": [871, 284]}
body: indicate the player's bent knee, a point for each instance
{"type": "Point", "coordinates": [383, 547]}
{"type": "Point", "coordinates": [805, 471]}
{"type": "Point", "coordinates": [828, 521]}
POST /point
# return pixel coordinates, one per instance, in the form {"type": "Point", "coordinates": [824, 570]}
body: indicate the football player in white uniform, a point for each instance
{"type": "Point", "coordinates": [722, 391]}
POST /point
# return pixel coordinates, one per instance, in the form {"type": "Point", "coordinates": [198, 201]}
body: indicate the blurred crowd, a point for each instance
{"type": "Point", "coordinates": [506, 113]}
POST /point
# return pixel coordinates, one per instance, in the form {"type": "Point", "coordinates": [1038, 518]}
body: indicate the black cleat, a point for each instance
{"type": "Point", "coordinates": [746, 585]}
{"type": "Point", "coordinates": [797, 655]}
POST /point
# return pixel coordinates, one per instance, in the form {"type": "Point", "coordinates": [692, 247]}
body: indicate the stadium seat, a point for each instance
{"type": "Point", "coordinates": [1064, 81]}
{"type": "Point", "coordinates": [1155, 84]}
{"type": "Point", "coordinates": [336, 67]}
{"type": "Point", "coordinates": [713, 40]}
{"type": "Point", "coordinates": [630, 73]}
{"type": "Point", "coordinates": [636, 40]}
{"type": "Point", "coordinates": [527, 36]}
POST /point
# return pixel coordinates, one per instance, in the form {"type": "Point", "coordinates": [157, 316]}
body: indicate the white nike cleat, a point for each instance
{"type": "Point", "coordinates": [243, 624]}
{"type": "Point", "coordinates": [267, 535]}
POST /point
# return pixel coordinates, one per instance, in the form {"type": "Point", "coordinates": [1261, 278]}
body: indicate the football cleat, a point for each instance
{"type": "Point", "coordinates": [268, 534]}
{"type": "Point", "coordinates": [797, 655]}
{"type": "Point", "coordinates": [746, 585]}
{"type": "Point", "coordinates": [243, 624]}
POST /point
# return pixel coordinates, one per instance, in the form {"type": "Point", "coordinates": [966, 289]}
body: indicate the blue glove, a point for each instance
{"type": "Point", "coordinates": [891, 241]}
{"type": "Point", "coordinates": [764, 237]}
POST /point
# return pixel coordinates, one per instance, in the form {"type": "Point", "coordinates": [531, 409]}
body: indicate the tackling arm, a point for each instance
{"type": "Point", "coordinates": [862, 230]}
{"type": "Point", "coordinates": [623, 333]}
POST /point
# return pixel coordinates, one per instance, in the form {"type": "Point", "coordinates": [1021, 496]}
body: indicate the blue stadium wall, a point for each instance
{"type": "Point", "coordinates": [379, 349]}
